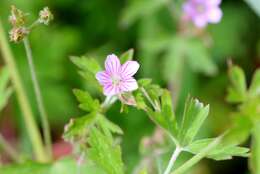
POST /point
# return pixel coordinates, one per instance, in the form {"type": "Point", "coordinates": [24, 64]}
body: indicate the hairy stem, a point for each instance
{"type": "Point", "coordinates": [31, 126]}
{"type": "Point", "coordinates": [37, 91]}
{"type": "Point", "coordinates": [197, 157]}
{"type": "Point", "coordinates": [174, 157]}
{"type": "Point", "coordinates": [9, 150]}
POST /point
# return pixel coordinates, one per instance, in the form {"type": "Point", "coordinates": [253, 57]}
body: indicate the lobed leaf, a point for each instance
{"type": "Point", "coordinates": [194, 115]}
{"type": "Point", "coordinates": [105, 154]}
{"type": "Point", "coordinates": [220, 152]}
{"type": "Point", "coordinates": [79, 127]}
{"type": "Point", "coordinates": [87, 64]}
{"type": "Point", "coordinates": [87, 103]}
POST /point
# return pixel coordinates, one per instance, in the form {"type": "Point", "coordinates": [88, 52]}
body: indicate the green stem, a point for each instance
{"type": "Point", "coordinates": [37, 91]}
{"type": "Point", "coordinates": [155, 106]}
{"type": "Point", "coordinates": [174, 157]}
{"type": "Point", "coordinates": [33, 131]}
{"type": "Point", "coordinates": [198, 156]}
{"type": "Point", "coordinates": [9, 150]}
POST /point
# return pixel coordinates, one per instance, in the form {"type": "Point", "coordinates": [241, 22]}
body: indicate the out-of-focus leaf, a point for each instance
{"type": "Point", "coordinates": [70, 166]}
{"type": "Point", "coordinates": [194, 115]}
{"type": "Point", "coordinates": [199, 58]}
{"type": "Point", "coordinates": [28, 167]}
{"type": "Point", "coordinates": [137, 9]}
{"type": "Point", "coordinates": [87, 103]}
{"type": "Point", "coordinates": [174, 59]}
{"type": "Point", "coordinates": [192, 52]}
{"type": "Point", "coordinates": [255, 154]}
{"type": "Point", "coordinates": [105, 154]}
{"type": "Point", "coordinates": [255, 5]}
{"type": "Point", "coordinates": [220, 152]}
{"type": "Point", "coordinates": [254, 89]}
{"type": "Point", "coordinates": [237, 92]}
{"type": "Point", "coordinates": [64, 166]}
{"type": "Point", "coordinates": [5, 91]}
{"type": "Point", "coordinates": [128, 55]}
{"type": "Point", "coordinates": [240, 130]}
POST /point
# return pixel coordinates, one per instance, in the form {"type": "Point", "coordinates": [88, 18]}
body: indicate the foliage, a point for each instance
{"type": "Point", "coordinates": [186, 61]}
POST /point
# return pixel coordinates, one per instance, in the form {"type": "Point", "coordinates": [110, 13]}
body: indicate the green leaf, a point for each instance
{"type": "Point", "coordinates": [105, 154]}
{"type": "Point", "coordinates": [88, 70]}
{"type": "Point", "coordinates": [128, 55]}
{"type": "Point", "coordinates": [237, 91]}
{"type": "Point", "coordinates": [240, 130]}
{"type": "Point", "coordinates": [140, 101]}
{"type": "Point", "coordinates": [79, 127]}
{"type": "Point", "coordinates": [254, 89]}
{"type": "Point", "coordinates": [70, 166]}
{"type": "Point", "coordinates": [168, 113]}
{"type": "Point", "coordinates": [25, 168]}
{"type": "Point", "coordinates": [144, 82]}
{"type": "Point", "coordinates": [87, 64]}
{"type": "Point", "coordinates": [111, 126]}
{"type": "Point", "coordinates": [199, 58]}
{"type": "Point", "coordinates": [255, 154]}
{"type": "Point", "coordinates": [137, 9]}
{"type": "Point", "coordinates": [108, 127]}
{"type": "Point", "coordinates": [255, 5]}
{"type": "Point", "coordinates": [87, 103]}
{"type": "Point", "coordinates": [64, 166]}
{"type": "Point", "coordinates": [220, 152]}
{"type": "Point", "coordinates": [182, 52]}
{"type": "Point", "coordinates": [193, 117]}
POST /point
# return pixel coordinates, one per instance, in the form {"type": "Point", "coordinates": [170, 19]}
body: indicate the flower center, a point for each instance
{"type": "Point", "coordinates": [115, 79]}
{"type": "Point", "coordinates": [200, 8]}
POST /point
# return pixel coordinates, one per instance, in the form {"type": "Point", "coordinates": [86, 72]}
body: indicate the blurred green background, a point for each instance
{"type": "Point", "coordinates": [100, 27]}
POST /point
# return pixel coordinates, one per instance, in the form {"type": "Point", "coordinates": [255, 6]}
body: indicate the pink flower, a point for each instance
{"type": "Point", "coordinates": [202, 12]}
{"type": "Point", "coordinates": [117, 78]}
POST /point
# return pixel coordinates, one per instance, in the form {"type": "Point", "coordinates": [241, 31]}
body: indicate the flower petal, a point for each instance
{"type": "Point", "coordinates": [103, 78]}
{"type": "Point", "coordinates": [214, 15]}
{"type": "Point", "coordinates": [112, 64]}
{"type": "Point", "coordinates": [128, 85]}
{"type": "Point", "coordinates": [200, 21]}
{"type": "Point", "coordinates": [129, 68]}
{"type": "Point", "coordinates": [214, 2]}
{"type": "Point", "coordinates": [110, 90]}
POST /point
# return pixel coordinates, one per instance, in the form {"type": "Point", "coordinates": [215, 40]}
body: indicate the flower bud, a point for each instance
{"type": "Point", "coordinates": [45, 16]}
{"type": "Point", "coordinates": [17, 17]}
{"type": "Point", "coordinates": [17, 34]}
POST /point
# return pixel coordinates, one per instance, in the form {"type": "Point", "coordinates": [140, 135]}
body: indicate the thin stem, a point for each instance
{"type": "Point", "coordinates": [108, 102]}
{"type": "Point", "coordinates": [174, 157]}
{"type": "Point", "coordinates": [34, 25]}
{"type": "Point", "coordinates": [9, 150]}
{"type": "Point", "coordinates": [31, 126]}
{"type": "Point", "coordinates": [198, 156]}
{"type": "Point", "coordinates": [155, 106]}
{"type": "Point", "coordinates": [79, 162]}
{"type": "Point", "coordinates": [36, 87]}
